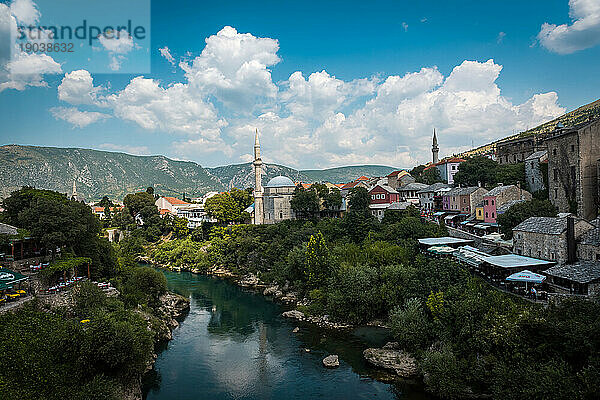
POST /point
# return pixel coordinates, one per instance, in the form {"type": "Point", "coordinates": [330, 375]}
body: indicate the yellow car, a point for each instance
{"type": "Point", "coordinates": [13, 295]}
{"type": "Point", "coordinates": [21, 292]}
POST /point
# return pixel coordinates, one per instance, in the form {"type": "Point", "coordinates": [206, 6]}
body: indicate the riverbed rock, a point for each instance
{"type": "Point", "coordinates": [296, 330]}
{"type": "Point", "coordinates": [249, 280]}
{"type": "Point", "coordinates": [331, 361]}
{"type": "Point", "coordinates": [271, 290]}
{"type": "Point", "coordinates": [394, 359]}
{"type": "Point", "coordinates": [294, 314]}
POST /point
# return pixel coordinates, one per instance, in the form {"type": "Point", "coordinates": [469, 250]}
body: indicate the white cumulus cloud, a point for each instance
{"type": "Point", "coordinates": [582, 33]}
{"type": "Point", "coordinates": [76, 117]}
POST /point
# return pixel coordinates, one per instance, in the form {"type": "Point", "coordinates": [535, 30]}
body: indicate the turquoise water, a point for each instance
{"type": "Point", "coordinates": [234, 344]}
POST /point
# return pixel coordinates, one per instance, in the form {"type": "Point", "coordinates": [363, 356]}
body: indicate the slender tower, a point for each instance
{"type": "Point", "coordinates": [435, 149]}
{"type": "Point", "coordinates": [74, 195]}
{"type": "Point", "coordinates": [258, 193]}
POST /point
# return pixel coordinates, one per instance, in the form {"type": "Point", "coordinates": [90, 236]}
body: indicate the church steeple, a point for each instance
{"type": "Point", "coordinates": [435, 149]}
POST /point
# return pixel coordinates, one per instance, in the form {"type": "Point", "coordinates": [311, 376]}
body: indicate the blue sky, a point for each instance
{"type": "Point", "coordinates": [326, 83]}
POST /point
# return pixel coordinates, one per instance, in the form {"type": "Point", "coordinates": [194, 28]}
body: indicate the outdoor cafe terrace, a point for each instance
{"type": "Point", "coordinates": [510, 272]}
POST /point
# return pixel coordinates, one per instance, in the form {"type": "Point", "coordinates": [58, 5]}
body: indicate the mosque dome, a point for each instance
{"type": "Point", "coordinates": [280, 181]}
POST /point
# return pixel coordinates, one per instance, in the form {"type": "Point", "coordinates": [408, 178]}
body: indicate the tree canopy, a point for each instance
{"type": "Point", "coordinates": [229, 207]}
{"type": "Point", "coordinates": [521, 211]}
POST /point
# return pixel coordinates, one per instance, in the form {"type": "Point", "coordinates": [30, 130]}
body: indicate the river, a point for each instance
{"type": "Point", "coordinates": [234, 344]}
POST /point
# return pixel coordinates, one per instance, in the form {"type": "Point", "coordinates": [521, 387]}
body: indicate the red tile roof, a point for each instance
{"type": "Point", "coordinates": [362, 178]}
{"type": "Point", "coordinates": [175, 201]}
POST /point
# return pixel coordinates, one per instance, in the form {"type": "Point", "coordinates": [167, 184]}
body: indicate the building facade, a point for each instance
{"type": "Point", "coordinates": [469, 197]}
{"type": "Point", "coordinates": [428, 195]}
{"type": "Point", "coordinates": [573, 155]}
{"type": "Point", "coordinates": [448, 167]}
{"type": "Point", "coordinates": [546, 237]}
{"type": "Point", "coordinates": [517, 150]}
{"type": "Point", "coordinates": [536, 170]}
{"type": "Point", "coordinates": [276, 200]}
{"type": "Point", "coordinates": [409, 192]}
{"type": "Point", "coordinates": [499, 196]}
{"type": "Point", "coordinates": [399, 178]}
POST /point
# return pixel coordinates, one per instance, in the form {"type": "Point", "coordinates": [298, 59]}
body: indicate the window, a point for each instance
{"type": "Point", "coordinates": [572, 148]}
{"type": "Point", "coordinates": [597, 256]}
{"type": "Point", "coordinates": [493, 215]}
{"type": "Point", "coordinates": [453, 167]}
{"type": "Point", "coordinates": [573, 173]}
{"type": "Point", "coordinates": [280, 215]}
{"type": "Point", "coordinates": [553, 152]}
{"type": "Point", "coordinates": [532, 180]}
{"type": "Point", "coordinates": [486, 215]}
{"type": "Point", "coordinates": [556, 193]}
{"type": "Point", "coordinates": [555, 174]}
{"type": "Point", "coordinates": [492, 201]}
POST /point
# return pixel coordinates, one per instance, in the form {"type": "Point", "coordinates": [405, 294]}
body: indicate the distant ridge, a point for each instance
{"type": "Point", "coordinates": [114, 174]}
{"type": "Point", "coordinates": [575, 117]}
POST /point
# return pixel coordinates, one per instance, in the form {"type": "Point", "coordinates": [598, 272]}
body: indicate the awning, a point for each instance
{"type": "Point", "coordinates": [9, 278]}
{"type": "Point", "coordinates": [526, 276]}
{"type": "Point", "coordinates": [481, 226]}
{"type": "Point", "coordinates": [438, 213]}
{"type": "Point", "coordinates": [441, 250]}
{"type": "Point", "coordinates": [450, 217]}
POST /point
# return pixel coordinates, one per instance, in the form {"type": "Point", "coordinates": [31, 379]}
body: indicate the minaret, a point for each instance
{"type": "Point", "coordinates": [74, 195]}
{"type": "Point", "coordinates": [258, 193]}
{"type": "Point", "coordinates": [435, 149]}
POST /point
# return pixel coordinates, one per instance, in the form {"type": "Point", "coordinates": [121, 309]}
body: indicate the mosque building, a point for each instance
{"type": "Point", "coordinates": [271, 204]}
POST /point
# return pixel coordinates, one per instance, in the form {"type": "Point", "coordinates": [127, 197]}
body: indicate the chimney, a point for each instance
{"type": "Point", "coordinates": [571, 246]}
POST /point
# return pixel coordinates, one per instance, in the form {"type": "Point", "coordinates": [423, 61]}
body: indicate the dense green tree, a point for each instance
{"type": "Point", "coordinates": [305, 202]}
{"type": "Point", "coordinates": [224, 208]}
{"type": "Point", "coordinates": [179, 226]}
{"type": "Point", "coordinates": [410, 325]}
{"type": "Point", "coordinates": [317, 261]}
{"type": "Point", "coordinates": [521, 211]}
{"type": "Point", "coordinates": [511, 174]}
{"type": "Point", "coordinates": [358, 200]}
{"type": "Point", "coordinates": [475, 170]}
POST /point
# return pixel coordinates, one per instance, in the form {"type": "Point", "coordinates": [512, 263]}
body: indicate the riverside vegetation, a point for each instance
{"type": "Point", "coordinates": [93, 346]}
{"type": "Point", "coordinates": [468, 338]}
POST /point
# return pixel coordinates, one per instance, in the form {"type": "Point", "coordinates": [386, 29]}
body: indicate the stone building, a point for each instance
{"type": "Point", "coordinates": [448, 167]}
{"type": "Point", "coordinates": [399, 178]}
{"type": "Point", "coordinates": [271, 203]}
{"type": "Point", "coordinates": [469, 197]}
{"type": "Point", "coordinates": [588, 247]}
{"type": "Point", "coordinates": [451, 200]}
{"type": "Point", "coordinates": [517, 150]}
{"type": "Point", "coordinates": [410, 192]}
{"type": "Point", "coordinates": [546, 237]}
{"type": "Point", "coordinates": [277, 195]}
{"type": "Point", "coordinates": [536, 167]}
{"type": "Point", "coordinates": [579, 278]}
{"type": "Point", "coordinates": [428, 196]}
{"type": "Point", "coordinates": [573, 155]}
{"type": "Point", "coordinates": [500, 195]}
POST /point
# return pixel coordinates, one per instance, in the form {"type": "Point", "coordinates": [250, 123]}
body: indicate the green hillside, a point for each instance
{"type": "Point", "coordinates": [100, 173]}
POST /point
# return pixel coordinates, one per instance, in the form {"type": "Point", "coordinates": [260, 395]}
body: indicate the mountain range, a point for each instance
{"type": "Point", "coordinates": [99, 173]}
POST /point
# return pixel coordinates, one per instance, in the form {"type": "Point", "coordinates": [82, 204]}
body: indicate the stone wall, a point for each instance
{"type": "Point", "coordinates": [534, 176]}
{"type": "Point", "coordinates": [539, 245]}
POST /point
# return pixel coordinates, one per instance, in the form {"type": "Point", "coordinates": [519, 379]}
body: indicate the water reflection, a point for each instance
{"type": "Point", "coordinates": [235, 345]}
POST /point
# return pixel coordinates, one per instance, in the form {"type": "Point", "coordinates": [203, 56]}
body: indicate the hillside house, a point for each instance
{"type": "Point", "coordinates": [500, 195]}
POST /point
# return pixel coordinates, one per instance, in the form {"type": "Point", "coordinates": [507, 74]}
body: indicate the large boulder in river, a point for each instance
{"type": "Point", "coordinates": [295, 314]}
{"type": "Point", "coordinates": [331, 361]}
{"type": "Point", "coordinates": [391, 358]}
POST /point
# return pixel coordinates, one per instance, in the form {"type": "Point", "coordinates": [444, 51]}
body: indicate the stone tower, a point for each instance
{"type": "Point", "coordinates": [74, 193]}
{"type": "Point", "coordinates": [435, 149]}
{"type": "Point", "coordinates": [258, 193]}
